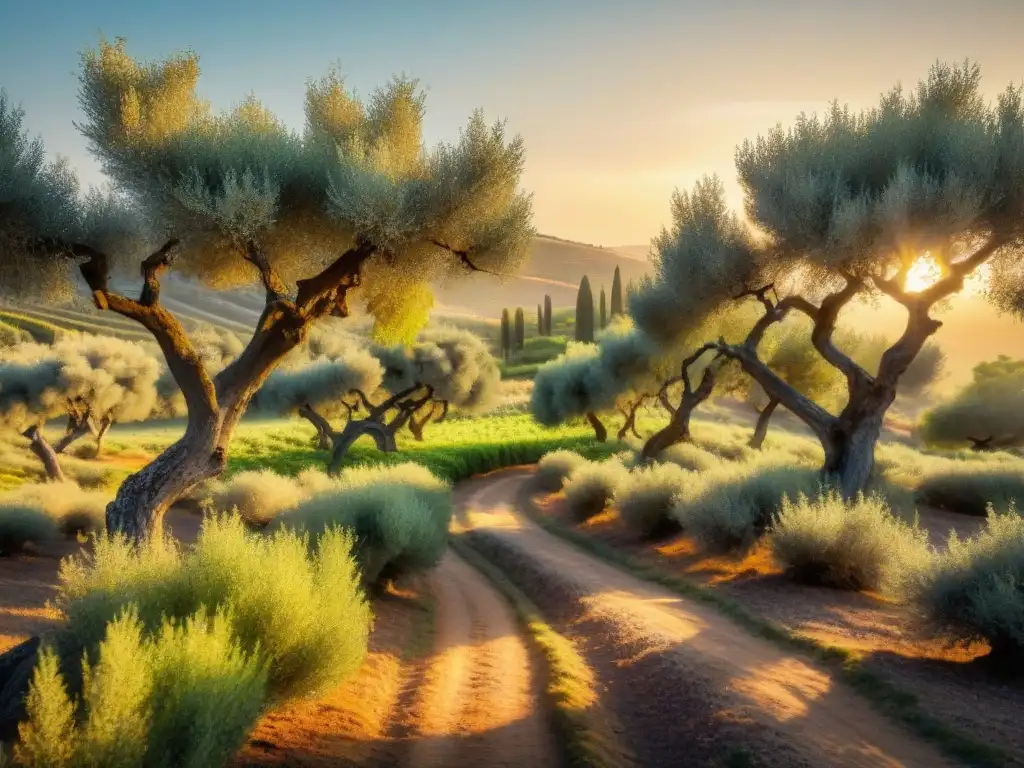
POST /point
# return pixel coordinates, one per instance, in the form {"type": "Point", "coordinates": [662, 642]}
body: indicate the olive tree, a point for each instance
{"type": "Point", "coordinates": [848, 203]}
{"type": "Point", "coordinates": [988, 413]}
{"type": "Point", "coordinates": [93, 381]}
{"type": "Point", "coordinates": [622, 371]}
{"type": "Point", "coordinates": [447, 367]}
{"type": "Point", "coordinates": [328, 377]}
{"type": "Point", "coordinates": [706, 254]}
{"type": "Point", "coordinates": [237, 198]}
{"type": "Point", "coordinates": [395, 387]}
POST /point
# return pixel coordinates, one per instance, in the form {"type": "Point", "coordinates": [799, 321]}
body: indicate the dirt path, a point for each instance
{"type": "Point", "coordinates": [477, 699]}
{"type": "Point", "coordinates": [684, 679]}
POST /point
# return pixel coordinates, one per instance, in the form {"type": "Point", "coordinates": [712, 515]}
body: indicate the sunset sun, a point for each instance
{"type": "Point", "coordinates": [922, 274]}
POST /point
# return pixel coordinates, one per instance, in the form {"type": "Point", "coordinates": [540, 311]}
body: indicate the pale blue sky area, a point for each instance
{"type": "Point", "coordinates": [618, 102]}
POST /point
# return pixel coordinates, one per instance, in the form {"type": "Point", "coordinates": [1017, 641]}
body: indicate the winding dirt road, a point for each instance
{"type": "Point", "coordinates": [690, 686]}
{"type": "Point", "coordinates": [477, 696]}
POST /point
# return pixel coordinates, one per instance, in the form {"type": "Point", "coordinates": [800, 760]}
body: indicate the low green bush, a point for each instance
{"type": "Point", "coordinates": [856, 545]}
{"type": "Point", "coordinates": [647, 496]}
{"type": "Point", "coordinates": [301, 613]}
{"type": "Point", "coordinates": [974, 590]}
{"type": "Point", "coordinates": [398, 515]}
{"type": "Point", "coordinates": [257, 495]}
{"type": "Point", "coordinates": [22, 525]}
{"type": "Point", "coordinates": [728, 507]}
{"type": "Point", "coordinates": [968, 487]}
{"type": "Point", "coordinates": [554, 468]}
{"type": "Point", "coordinates": [186, 695]}
{"type": "Point", "coordinates": [689, 456]}
{"type": "Point", "coordinates": [592, 486]}
{"type": "Point", "coordinates": [73, 509]}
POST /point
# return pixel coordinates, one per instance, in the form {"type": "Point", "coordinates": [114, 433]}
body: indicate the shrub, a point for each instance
{"type": "Point", "coordinates": [303, 614]}
{"type": "Point", "coordinates": [72, 508]}
{"type": "Point", "coordinates": [22, 525]}
{"type": "Point", "coordinates": [857, 545]}
{"type": "Point", "coordinates": [728, 507]}
{"type": "Point", "coordinates": [968, 487]}
{"type": "Point", "coordinates": [258, 496]}
{"type": "Point", "coordinates": [592, 486]}
{"type": "Point", "coordinates": [555, 467]}
{"type": "Point", "coordinates": [689, 456]}
{"type": "Point", "coordinates": [398, 515]}
{"type": "Point", "coordinates": [975, 589]}
{"type": "Point", "coordinates": [186, 696]}
{"type": "Point", "coordinates": [647, 495]}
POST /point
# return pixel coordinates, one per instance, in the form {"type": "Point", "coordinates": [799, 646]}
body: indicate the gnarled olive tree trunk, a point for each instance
{"type": "Point", "coordinates": [678, 428]}
{"type": "Point", "coordinates": [848, 439]}
{"type": "Point", "coordinates": [215, 404]}
{"type": "Point", "coordinates": [45, 453]}
{"type": "Point", "coordinates": [323, 428]}
{"type": "Point", "coordinates": [79, 425]}
{"type": "Point", "coordinates": [600, 431]}
{"type": "Point", "coordinates": [764, 416]}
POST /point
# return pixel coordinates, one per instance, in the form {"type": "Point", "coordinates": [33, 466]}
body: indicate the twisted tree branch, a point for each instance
{"type": "Point", "coordinates": [463, 257]}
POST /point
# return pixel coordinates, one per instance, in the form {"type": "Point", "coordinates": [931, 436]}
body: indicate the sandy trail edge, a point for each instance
{"type": "Point", "coordinates": [477, 701]}
{"type": "Point", "coordinates": [822, 719]}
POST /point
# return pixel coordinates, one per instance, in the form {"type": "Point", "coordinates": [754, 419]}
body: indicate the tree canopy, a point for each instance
{"type": "Point", "coordinates": [354, 202]}
{"type": "Point", "coordinates": [93, 380]}
{"type": "Point", "coordinates": [844, 205]}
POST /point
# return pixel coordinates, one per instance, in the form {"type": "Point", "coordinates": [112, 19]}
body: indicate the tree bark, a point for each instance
{"type": "Point", "coordinates": [761, 429]}
{"type": "Point", "coordinates": [676, 431]}
{"type": "Point", "coordinates": [850, 450]}
{"type": "Point", "coordinates": [78, 427]}
{"type": "Point", "coordinates": [678, 428]}
{"type": "Point", "coordinates": [324, 431]}
{"type": "Point", "coordinates": [344, 440]}
{"type": "Point", "coordinates": [45, 453]}
{"type": "Point", "coordinates": [100, 434]}
{"type": "Point", "coordinates": [600, 431]}
{"type": "Point", "coordinates": [215, 405]}
{"type": "Point", "coordinates": [417, 426]}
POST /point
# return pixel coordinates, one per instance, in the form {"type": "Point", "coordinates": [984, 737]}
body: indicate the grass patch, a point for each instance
{"type": "Point", "coordinates": [571, 687]}
{"type": "Point", "coordinates": [887, 696]}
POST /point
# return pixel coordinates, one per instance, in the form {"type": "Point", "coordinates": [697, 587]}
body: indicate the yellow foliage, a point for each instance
{"type": "Point", "coordinates": [400, 307]}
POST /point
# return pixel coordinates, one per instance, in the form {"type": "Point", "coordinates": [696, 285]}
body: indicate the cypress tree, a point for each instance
{"type": "Point", "coordinates": [520, 328]}
{"type": "Point", "coordinates": [547, 315]}
{"type": "Point", "coordinates": [604, 314]}
{"type": "Point", "coordinates": [540, 321]}
{"type": "Point", "coordinates": [584, 312]}
{"type": "Point", "coordinates": [506, 335]}
{"type": "Point", "coordinates": [618, 307]}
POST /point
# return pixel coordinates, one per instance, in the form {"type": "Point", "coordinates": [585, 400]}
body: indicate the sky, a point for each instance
{"type": "Point", "coordinates": [618, 103]}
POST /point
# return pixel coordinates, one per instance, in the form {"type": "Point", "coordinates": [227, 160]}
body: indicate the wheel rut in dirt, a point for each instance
{"type": "Point", "coordinates": [477, 702]}
{"type": "Point", "coordinates": [690, 686]}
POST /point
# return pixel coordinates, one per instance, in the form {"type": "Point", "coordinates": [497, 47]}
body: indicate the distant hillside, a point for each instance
{"type": "Point", "coordinates": [638, 252]}
{"type": "Point", "coordinates": [555, 268]}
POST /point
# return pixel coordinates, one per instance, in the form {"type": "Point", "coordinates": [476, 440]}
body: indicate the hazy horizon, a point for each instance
{"type": "Point", "coordinates": [617, 105]}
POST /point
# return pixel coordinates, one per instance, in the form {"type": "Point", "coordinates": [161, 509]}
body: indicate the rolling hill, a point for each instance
{"type": "Point", "coordinates": [555, 267]}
